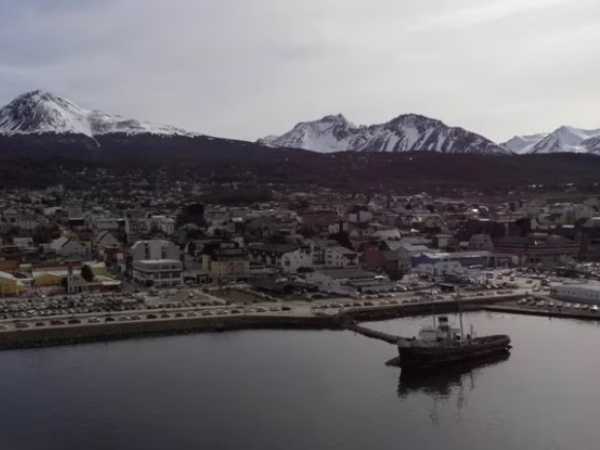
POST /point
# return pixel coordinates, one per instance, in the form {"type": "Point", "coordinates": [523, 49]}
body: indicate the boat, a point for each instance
{"type": "Point", "coordinates": [443, 345]}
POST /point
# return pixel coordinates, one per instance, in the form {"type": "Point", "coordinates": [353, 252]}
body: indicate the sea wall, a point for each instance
{"type": "Point", "coordinates": [71, 334]}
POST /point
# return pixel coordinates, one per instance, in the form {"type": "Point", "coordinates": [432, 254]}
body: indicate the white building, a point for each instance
{"type": "Point", "coordinates": [164, 224]}
{"type": "Point", "coordinates": [158, 272]}
{"type": "Point", "coordinates": [301, 257]}
{"type": "Point", "coordinates": [155, 249]}
{"type": "Point", "coordinates": [71, 248]}
{"type": "Point", "coordinates": [350, 282]}
{"type": "Point", "coordinates": [580, 293]}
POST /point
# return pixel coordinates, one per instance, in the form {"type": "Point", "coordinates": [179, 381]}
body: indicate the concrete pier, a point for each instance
{"type": "Point", "coordinates": [380, 335]}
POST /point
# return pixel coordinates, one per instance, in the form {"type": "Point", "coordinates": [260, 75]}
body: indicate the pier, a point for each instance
{"type": "Point", "coordinates": [374, 334]}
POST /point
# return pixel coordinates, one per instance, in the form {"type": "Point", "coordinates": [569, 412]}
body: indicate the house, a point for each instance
{"type": "Point", "coordinates": [70, 248]}
{"type": "Point", "coordinates": [329, 253]}
{"type": "Point", "coordinates": [270, 255]}
{"type": "Point", "coordinates": [225, 260]}
{"type": "Point", "coordinates": [376, 256]}
{"type": "Point", "coordinates": [359, 215]}
{"type": "Point", "coordinates": [24, 244]}
{"type": "Point", "coordinates": [105, 240]}
{"type": "Point", "coordinates": [481, 241]}
{"type": "Point", "coordinates": [164, 224]}
{"type": "Point", "coordinates": [295, 260]}
{"type": "Point", "coordinates": [10, 285]}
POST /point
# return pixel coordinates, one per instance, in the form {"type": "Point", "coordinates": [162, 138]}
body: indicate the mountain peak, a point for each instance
{"type": "Point", "coordinates": [406, 132]}
{"type": "Point", "coordinates": [334, 118]}
{"type": "Point", "coordinates": [562, 139]}
{"type": "Point", "coordinates": [39, 112]}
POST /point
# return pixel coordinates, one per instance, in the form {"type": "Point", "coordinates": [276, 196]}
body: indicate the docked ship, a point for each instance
{"type": "Point", "coordinates": [442, 345]}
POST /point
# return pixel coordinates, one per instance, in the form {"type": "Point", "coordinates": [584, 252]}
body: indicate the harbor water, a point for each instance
{"type": "Point", "coordinates": [266, 389]}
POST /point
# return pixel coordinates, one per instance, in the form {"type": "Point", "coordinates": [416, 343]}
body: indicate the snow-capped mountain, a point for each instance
{"type": "Point", "coordinates": [407, 132]}
{"type": "Point", "coordinates": [522, 144]}
{"type": "Point", "coordinates": [563, 139]}
{"type": "Point", "coordinates": [40, 112]}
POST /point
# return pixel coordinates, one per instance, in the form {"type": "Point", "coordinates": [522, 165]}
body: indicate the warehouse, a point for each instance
{"type": "Point", "coordinates": [581, 293]}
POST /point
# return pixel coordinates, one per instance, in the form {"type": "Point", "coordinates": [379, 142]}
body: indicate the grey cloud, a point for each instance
{"type": "Point", "coordinates": [247, 68]}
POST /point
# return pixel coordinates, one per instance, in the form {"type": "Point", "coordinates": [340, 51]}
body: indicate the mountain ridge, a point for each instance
{"type": "Point", "coordinates": [562, 139]}
{"type": "Point", "coordinates": [403, 133]}
{"type": "Point", "coordinates": [39, 112]}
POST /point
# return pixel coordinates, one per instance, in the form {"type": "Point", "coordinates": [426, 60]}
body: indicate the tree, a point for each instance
{"type": "Point", "coordinates": [87, 273]}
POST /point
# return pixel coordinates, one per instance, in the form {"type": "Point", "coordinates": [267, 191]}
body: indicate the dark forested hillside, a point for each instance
{"type": "Point", "coordinates": [33, 160]}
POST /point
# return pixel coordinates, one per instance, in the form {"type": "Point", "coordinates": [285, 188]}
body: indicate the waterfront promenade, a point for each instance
{"type": "Point", "coordinates": [165, 319]}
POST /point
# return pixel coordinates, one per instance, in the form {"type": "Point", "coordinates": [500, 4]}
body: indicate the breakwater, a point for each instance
{"type": "Point", "coordinates": [547, 312]}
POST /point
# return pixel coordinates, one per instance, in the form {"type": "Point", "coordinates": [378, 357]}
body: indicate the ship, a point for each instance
{"type": "Point", "coordinates": [443, 345]}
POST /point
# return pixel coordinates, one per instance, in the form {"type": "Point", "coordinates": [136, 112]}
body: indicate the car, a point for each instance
{"type": "Point", "coordinates": [109, 319]}
{"type": "Point", "coordinates": [73, 321]}
{"type": "Point", "coordinates": [21, 325]}
{"type": "Point", "coordinates": [56, 322]}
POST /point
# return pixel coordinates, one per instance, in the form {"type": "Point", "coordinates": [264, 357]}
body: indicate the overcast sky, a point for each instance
{"type": "Point", "coordinates": [248, 68]}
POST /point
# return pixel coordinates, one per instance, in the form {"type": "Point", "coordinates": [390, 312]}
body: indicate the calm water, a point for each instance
{"type": "Point", "coordinates": [303, 390]}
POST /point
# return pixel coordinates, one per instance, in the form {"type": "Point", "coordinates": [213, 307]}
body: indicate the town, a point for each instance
{"type": "Point", "coordinates": [176, 254]}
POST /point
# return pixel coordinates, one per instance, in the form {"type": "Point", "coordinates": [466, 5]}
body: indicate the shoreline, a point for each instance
{"type": "Point", "coordinates": [103, 332]}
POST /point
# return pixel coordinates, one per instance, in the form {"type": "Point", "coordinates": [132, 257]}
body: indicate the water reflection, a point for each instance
{"type": "Point", "coordinates": [442, 383]}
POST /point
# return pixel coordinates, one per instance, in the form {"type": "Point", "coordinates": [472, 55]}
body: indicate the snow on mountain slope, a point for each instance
{"type": "Point", "coordinates": [563, 139]}
{"type": "Point", "coordinates": [522, 144]}
{"type": "Point", "coordinates": [40, 112]}
{"type": "Point", "coordinates": [332, 133]}
{"type": "Point", "coordinates": [408, 132]}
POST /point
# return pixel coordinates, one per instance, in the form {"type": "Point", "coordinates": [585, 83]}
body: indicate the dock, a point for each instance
{"type": "Point", "coordinates": [374, 334]}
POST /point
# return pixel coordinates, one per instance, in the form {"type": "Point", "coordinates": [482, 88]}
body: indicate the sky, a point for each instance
{"type": "Point", "coordinates": [249, 68]}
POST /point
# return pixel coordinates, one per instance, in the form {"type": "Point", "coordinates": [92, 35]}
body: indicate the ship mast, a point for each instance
{"type": "Point", "coordinates": [433, 308]}
{"type": "Point", "coordinates": [460, 316]}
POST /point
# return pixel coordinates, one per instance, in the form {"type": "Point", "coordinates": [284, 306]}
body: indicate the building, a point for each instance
{"type": "Point", "coordinates": [10, 285]}
{"type": "Point", "coordinates": [164, 224]}
{"type": "Point", "coordinates": [351, 282]}
{"type": "Point", "coordinates": [225, 261]}
{"type": "Point", "coordinates": [271, 255]}
{"type": "Point", "coordinates": [580, 293]}
{"type": "Point", "coordinates": [328, 253]}
{"type": "Point", "coordinates": [154, 249]}
{"type": "Point", "coordinates": [68, 247]}
{"type": "Point", "coordinates": [157, 272]}
{"type": "Point", "coordinates": [538, 248]}
{"type": "Point", "coordinates": [300, 258]}
{"type": "Point", "coordinates": [481, 241]}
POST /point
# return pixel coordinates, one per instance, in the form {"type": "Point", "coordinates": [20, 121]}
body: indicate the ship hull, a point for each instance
{"type": "Point", "coordinates": [413, 356]}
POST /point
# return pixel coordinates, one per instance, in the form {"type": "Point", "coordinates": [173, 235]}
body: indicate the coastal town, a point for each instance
{"type": "Point", "coordinates": [172, 256]}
